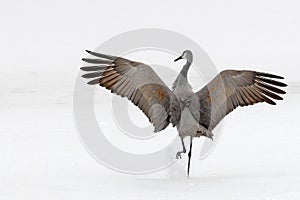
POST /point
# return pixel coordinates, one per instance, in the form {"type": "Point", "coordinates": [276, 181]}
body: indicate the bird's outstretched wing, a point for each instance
{"type": "Point", "coordinates": [139, 83]}
{"type": "Point", "coordinates": [233, 88]}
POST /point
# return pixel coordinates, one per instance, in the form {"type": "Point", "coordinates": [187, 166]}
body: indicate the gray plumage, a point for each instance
{"type": "Point", "coordinates": [194, 114]}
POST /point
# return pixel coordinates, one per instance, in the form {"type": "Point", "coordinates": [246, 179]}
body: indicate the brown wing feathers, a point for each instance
{"type": "Point", "coordinates": [253, 87]}
{"type": "Point", "coordinates": [139, 83]}
{"type": "Point", "coordinates": [233, 88]}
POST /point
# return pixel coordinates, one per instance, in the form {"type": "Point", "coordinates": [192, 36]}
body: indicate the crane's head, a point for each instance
{"type": "Point", "coordinates": [187, 54]}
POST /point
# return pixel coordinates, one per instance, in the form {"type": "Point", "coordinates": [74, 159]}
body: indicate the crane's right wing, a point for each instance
{"type": "Point", "coordinates": [139, 83]}
{"type": "Point", "coordinates": [233, 88]}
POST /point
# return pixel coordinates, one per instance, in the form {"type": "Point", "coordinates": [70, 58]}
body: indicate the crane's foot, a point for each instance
{"type": "Point", "coordinates": [178, 154]}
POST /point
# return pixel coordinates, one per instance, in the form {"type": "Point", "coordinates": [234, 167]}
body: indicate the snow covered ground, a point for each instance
{"type": "Point", "coordinates": [257, 157]}
{"type": "Point", "coordinates": [41, 156]}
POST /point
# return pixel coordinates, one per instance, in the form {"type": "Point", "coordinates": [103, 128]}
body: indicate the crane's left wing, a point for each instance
{"type": "Point", "coordinates": [139, 83]}
{"type": "Point", "coordinates": [233, 88]}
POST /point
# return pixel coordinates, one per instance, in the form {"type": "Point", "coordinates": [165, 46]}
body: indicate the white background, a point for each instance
{"type": "Point", "coordinates": [42, 43]}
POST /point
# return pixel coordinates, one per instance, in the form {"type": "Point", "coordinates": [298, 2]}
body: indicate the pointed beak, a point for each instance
{"type": "Point", "coordinates": [180, 57]}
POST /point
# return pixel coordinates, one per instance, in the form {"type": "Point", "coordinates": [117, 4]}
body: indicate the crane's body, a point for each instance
{"type": "Point", "coordinates": [188, 124]}
{"type": "Point", "coordinates": [194, 114]}
{"type": "Point", "coordinates": [184, 93]}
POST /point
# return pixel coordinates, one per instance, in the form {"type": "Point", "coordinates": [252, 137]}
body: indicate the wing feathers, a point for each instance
{"type": "Point", "coordinates": [268, 93]}
{"type": "Point", "coordinates": [93, 68]}
{"type": "Point", "coordinates": [268, 75]}
{"type": "Point", "coordinates": [270, 87]}
{"type": "Point", "coordinates": [96, 61]}
{"type": "Point", "coordinates": [242, 88]}
{"type": "Point", "coordinates": [139, 83]}
{"type": "Point", "coordinates": [92, 75]}
{"type": "Point", "coordinates": [270, 81]}
{"type": "Point", "coordinates": [101, 55]}
{"type": "Point", "coordinates": [94, 82]}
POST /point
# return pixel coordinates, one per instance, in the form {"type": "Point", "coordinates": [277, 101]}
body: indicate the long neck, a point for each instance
{"type": "Point", "coordinates": [185, 69]}
{"type": "Point", "coordinates": [181, 79]}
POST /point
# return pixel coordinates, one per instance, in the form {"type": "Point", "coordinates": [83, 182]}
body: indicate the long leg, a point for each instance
{"type": "Point", "coordinates": [178, 155]}
{"type": "Point", "coordinates": [190, 155]}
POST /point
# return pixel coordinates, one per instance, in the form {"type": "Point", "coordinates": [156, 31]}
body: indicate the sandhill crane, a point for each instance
{"type": "Point", "coordinates": [194, 114]}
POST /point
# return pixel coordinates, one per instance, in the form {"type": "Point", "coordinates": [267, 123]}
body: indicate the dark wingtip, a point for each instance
{"type": "Point", "coordinates": [269, 75]}
{"type": "Point", "coordinates": [93, 82]}
{"type": "Point", "coordinates": [84, 76]}
{"type": "Point", "coordinates": [276, 76]}
{"type": "Point", "coordinates": [282, 92]}
{"type": "Point", "coordinates": [88, 51]}
{"type": "Point", "coordinates": [83, 59]}
{"type": "Point", "coordinates": [271, 102]}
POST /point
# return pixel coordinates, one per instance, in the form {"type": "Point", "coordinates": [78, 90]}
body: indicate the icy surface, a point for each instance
{"type": "Point", "coordinates": [258, 156]}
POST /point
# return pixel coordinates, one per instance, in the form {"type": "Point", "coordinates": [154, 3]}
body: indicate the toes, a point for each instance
{"type": "Point", "coordinates": [178, 156]}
